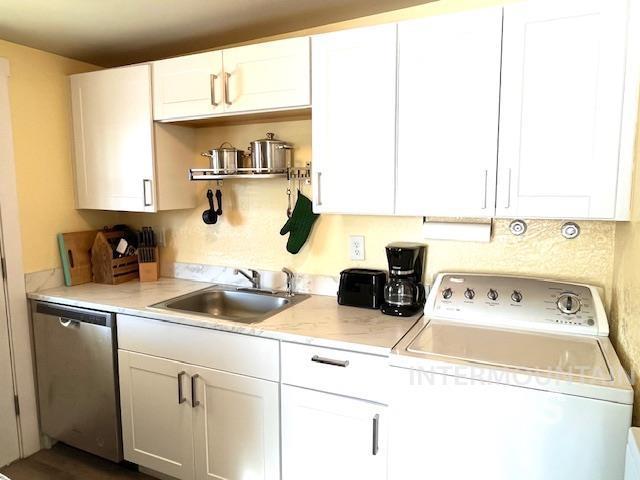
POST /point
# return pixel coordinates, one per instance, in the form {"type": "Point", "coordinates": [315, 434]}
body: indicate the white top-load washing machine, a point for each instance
{"type": "Point", "coordinates": [509, 378]}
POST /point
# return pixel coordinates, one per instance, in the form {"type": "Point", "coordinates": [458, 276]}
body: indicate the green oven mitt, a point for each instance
{"type": "Point", "coordinates": [300, 224]}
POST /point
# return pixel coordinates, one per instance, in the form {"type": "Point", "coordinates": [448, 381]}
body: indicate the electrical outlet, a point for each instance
{"type": "Point", "coordinates": [356, 247]}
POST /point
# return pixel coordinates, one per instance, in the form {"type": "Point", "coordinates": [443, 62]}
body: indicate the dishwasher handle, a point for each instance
{"type": "Point", "coordinates": [73, 316]}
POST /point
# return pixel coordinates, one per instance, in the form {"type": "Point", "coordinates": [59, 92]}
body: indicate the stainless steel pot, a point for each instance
{"type": "Point", "coordinates": [225, 159]}
{"type": "Point", "coordinates": [269, 155]}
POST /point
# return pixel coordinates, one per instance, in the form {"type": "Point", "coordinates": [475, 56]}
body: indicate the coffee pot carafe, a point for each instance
{"type": "Point", "coordinates": [404, 293]}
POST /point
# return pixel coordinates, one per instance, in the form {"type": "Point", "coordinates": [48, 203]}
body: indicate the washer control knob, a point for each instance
{"type": "Point", "coordinates": [568, 303]}
{"type": "Point", "coordinates": [469, 294]}
{"type": "Point", "coordinates": [516, 296]}
{"type": "Point", "coordinates": [492, 294]}
{"type": "Point", "coordinates": [447, 293]}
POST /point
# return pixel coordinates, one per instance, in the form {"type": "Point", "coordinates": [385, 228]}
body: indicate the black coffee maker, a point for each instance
{"type": "Point", "coordinates": [404, 293]}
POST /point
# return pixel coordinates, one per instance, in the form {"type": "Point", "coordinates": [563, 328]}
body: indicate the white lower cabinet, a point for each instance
{"type": "Point", "coordinates": [236, 427]}
{"type": "Point", "coordinates": [191, 422]}
{"type": "Point", "coordinates": [327, 436]}
{"type": "Point", "coordinates": [156, 427]}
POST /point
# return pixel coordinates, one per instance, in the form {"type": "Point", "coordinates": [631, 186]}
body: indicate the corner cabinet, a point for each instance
{"type": "Point", "coordinates": [353, 127]}
{"type": "Point", "coordinates": [120, 156]}
{"type": "Point", "coordinates": [252, 78]}
{"type": "Point", "coordinates": [563, 89]}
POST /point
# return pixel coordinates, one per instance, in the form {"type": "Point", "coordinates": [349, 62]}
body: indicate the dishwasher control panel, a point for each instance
{"type": "Point", "coordinates": [518, 302]}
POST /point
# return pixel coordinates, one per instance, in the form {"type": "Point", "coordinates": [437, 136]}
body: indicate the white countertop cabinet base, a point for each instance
{"type": "Point", "coordinates": [194, 422]}
{"type": "Point", "coordinates": [157, 431]}
{"type": "Point", "coordinates": [327, 436]}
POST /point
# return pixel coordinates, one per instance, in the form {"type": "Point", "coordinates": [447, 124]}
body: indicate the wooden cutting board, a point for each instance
{"type": "Point", "coordinates": [75, 253]}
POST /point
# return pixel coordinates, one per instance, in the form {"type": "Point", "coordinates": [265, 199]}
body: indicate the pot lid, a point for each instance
{"type": "Point", "coordinates": [222, 148]}
{"type": "Point", "coordinates": [271, 138]}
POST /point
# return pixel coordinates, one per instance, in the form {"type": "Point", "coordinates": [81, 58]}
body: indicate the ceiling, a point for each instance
{"type": "Point", "coordinates": [118, 32]}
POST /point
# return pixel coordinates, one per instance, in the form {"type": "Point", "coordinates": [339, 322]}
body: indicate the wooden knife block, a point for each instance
{"type": "Point", "coordinates": [149, 271]}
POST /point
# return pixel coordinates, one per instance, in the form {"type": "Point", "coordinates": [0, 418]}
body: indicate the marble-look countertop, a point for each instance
{"type": "Point", "coordinates": [318, 320]}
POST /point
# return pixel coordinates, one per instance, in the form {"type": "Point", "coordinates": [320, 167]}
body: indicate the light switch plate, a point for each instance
{"type": "Point", "coordinates": [356, 247]}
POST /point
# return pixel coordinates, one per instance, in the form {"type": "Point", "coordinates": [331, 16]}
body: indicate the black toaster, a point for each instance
{"type": "Point", "coordinates": [362, 287]}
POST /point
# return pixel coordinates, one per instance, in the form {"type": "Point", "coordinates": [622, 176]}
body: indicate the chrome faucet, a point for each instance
{"type": "Point", "coordinates": [254, 278]}
{"type": "Point", "coordinates": [290, 280]}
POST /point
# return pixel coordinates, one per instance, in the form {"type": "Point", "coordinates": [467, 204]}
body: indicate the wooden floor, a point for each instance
{"type": "Point", "coordinates": [66, 463]}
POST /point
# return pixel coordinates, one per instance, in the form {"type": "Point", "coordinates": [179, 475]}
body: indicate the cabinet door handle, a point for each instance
{"type": "Point", "coordinates": [319, 197]}
{"type": "Point", "coordinates": [329, 361]}
{"type": "Point", "coordinates": [194, 402]}
{"type": "Point", "coordinates": [507, 203]}
{"type": "Point", "coordinates": [484, 189]}
{"type": "Point", "coordinates": [376, 426]}
{"type": "Point", "coordinates": [146, 182]}
{"type": "Point", "coordinates": [227, 75]}
{"type": "Point", "coordinates": [213, 79]}
{"type": "Point", "coordinates": [181, 397]}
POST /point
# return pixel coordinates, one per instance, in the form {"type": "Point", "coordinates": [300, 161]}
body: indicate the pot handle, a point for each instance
{"type": "Point", "coordinates": [226, 143]}
{"type": "Point", "coordinates": [284, 147]}
{"type": "Point", "coordinates": [205, 154]}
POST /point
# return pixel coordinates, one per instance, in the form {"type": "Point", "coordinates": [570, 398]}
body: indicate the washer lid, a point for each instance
{"type": "Point", "coordinates": [536, 352]}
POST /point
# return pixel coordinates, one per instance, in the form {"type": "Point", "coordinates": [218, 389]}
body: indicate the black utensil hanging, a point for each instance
{"type": "Point", "coordinates": [210, 216]}
{"type": "Point", "coordinates": [219, 199]}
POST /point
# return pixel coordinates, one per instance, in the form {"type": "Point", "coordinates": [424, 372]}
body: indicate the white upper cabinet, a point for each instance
{"type": "Point", "coordinates": [448, 113]}
{"type": "Point", "coordinates": [262, 77]}
{"type": "Point", "coordinates": [268, 76]}
{"type": "Point", "coordinates": [563, 79]}
{"type": "Point", "coordinates": [122, 162]}
{"type": "Point", "coordinates": [354, 119]}
{"type": "Point", "coordinates": [113, 134]}
{"type": "Point", "coordinates": [188, 86]}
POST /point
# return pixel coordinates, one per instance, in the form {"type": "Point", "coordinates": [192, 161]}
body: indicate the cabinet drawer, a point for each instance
{"type": "Point", "coordinates": [337, 371]}
{"type": "Point", "coordinates": [230, 352]}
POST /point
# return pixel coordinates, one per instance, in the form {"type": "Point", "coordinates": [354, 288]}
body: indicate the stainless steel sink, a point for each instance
{"type": "Point", "coordinates": [236, 304]}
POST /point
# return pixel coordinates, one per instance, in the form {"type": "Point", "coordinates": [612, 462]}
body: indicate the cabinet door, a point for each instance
{"type": "Point", "coordinates": [561, 105]}
{"type": "Point", "coordinates": [188, 86]}
{"type": "Point", "coordinates": [448, 94]}
{"type": "Point", "coordinates": [267, 76]}
{"type": "Point", "coordinates": [113, 137]}
{"type": "Point", "coordinates": [354, 121]}
{"type": "Point", "coordinates": [327, 436]}
{"type": "Point", "coordinates": [236, 427]}
{"type": "Point", "coordinates": [156, 422]}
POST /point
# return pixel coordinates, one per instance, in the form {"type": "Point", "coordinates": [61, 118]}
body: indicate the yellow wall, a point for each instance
{"type": "Point", "coordinates": [248, 232]}
{"type": "Point", "coordinates": [625, 306]}
{"type": "Point", "coordinates": [41, 117]}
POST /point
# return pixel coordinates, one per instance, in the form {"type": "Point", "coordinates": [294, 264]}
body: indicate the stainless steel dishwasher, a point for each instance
{"type": "Point", "coordinates": [76, 360]}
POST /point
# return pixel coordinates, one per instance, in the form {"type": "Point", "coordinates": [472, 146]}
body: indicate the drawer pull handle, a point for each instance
{"type": "Point", "coordinates": [376, 425]}
{"type": "Point", "coordinates": [329, 361]}
{"type": "Point", "coordinates": [194, 401]}
{"type": "Point", "coordinates": [181, 397]}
